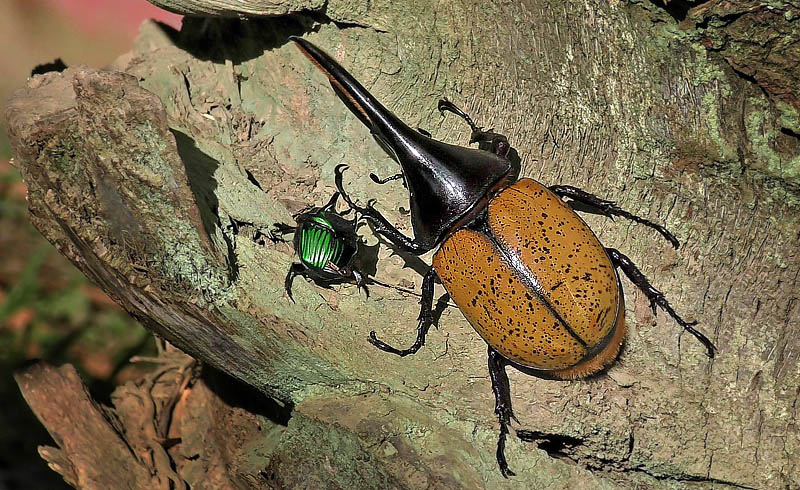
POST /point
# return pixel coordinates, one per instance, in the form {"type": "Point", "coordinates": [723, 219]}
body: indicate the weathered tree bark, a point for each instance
{"type": "Point", "coordinates": [154, 182]}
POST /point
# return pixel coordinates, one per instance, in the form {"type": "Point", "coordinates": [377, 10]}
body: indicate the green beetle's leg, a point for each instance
{"type": "Point", "coordinates": [361, 281]}
{"type": "Point", "coordinates": [380, 224]}
{"type": "Point", "coordinates": [378, 180]}
{"type": "Point", "coordinates": [502, 406]}
{"type": "Point", "coordinates": [278, 231]}
{"type": "Point", "coordinates": [487, 140]}
{"type": "Point", "coordinates": [295, 270]}
{"type": "Point", "coordinates": [609, 209]}
{"type": "Point", "coordinates": [655, 296]}
{"type": "Point", "coordinates": [425, 319]}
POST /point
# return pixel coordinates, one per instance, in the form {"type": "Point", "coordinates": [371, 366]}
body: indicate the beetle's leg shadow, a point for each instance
{"type": "Point", "coordinates": [607, 208]}
{"type": "Point", "coordinates": [296, 269]}
{"type": "Point", "coordinates": [424, 321]}
{"type": "Point", "coordinates": [656, 297]}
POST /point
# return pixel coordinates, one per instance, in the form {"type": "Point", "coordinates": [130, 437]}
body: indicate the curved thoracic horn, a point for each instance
{"type": "Point", "coordinates": [445, 182]}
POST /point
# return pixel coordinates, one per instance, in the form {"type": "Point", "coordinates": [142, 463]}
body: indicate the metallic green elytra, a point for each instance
{"type": "Point", "coordinates": [326, 244]}
{"type": "Point", "coordinates": [320, 246]}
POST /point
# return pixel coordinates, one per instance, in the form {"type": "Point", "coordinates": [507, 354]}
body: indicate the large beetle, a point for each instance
{"type": "Point", "coordinates": [524, 269]}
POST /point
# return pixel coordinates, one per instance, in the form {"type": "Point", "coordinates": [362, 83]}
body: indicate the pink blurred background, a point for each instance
{"type": "Point", "coordinates": [123, 16]}
{"type": "Point", "coordinates": [90, 32]}
{"type": "Point", "coordinates": [48, 309]}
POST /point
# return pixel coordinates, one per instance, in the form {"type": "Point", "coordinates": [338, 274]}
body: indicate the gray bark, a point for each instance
{"type": "Point", "coordinates": [137, 178]}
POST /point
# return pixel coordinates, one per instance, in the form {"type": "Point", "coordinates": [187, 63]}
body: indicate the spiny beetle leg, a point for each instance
{"type": "Point", "coordinates": [424, 320]}
{"type": "Point", "coordinates": [361, 281]}
{"type": "Point", "coordinates": [331, 206]}
{"type": "Point", "coordinates": [446, 105]}
{"type": "Point", "coordinates": [502, 406]}
{"type": "Point", "coordinates": [609, 208]}
{"type": "Point", "coordinates": [278, 231]}
{"type": "Point", "coordinates": [380, 224]}
{"type": "Point", "coordinates": [487, 140]}
{"type": "Point", "coordinates": [378, 180]}
{"type": "Point", "coordinates": [656, 297]}
{"type": "Point", "coordinates": [296, 269]}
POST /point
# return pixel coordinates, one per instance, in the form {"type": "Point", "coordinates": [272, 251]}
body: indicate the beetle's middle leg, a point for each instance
{"type": "Point", "coordinates": [610, 209]}
{"type": "Point", "coordinates": [425, 319]}
{"type": "Point", "coordinates": [487, 140]}
{"type": "Point", "coordinates": [655, 296]}
{"type": "Point", "coordinates": [502, 406]}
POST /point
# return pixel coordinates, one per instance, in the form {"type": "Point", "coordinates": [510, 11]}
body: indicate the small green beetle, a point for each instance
{"type": "Point", "coordinates": [326, 244]}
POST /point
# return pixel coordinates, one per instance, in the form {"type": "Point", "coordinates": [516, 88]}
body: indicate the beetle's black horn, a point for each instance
{"type": "Point", "coordinates": [377, 118]}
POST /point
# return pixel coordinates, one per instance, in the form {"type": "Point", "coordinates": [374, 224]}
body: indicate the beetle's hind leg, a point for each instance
{"type": "Point", "coordinates": [656, 297]}
{"type": "Point", "coordinates": [296, 269]}
{"type": "Point", "coordinates": [487, 140]}
{"type": "Point", "coordinates": [610, 209]}
{"type": "Point", "coordinates": [425, 319]}
{"type": "Point", "coordinates": [502, 406]}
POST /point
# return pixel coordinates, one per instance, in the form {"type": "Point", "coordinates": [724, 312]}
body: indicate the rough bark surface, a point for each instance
{"type": "Point", "coordinates": [155, 183]}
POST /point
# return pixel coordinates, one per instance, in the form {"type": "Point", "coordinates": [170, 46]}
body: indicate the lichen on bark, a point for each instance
{"type": "Point", "coordinates": [224, 129]}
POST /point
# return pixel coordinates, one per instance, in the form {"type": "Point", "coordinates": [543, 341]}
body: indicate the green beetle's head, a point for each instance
{"type": "Point", "coordinates": [323, 222]}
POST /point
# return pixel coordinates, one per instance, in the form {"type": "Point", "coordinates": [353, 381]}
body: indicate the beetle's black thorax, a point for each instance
{"type": "Point", "coordinates": [447, 183]}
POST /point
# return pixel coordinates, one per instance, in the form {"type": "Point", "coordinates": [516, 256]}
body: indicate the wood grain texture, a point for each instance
{"type": "Point", "coordinates": [614, 97]}
{"type": "Point", "coordinates": [91, 454]}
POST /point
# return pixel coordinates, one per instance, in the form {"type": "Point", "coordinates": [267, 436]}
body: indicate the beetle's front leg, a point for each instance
{"type": "Point", "coordinates": [609, 208]}
{"type": "Point", "coordinates": [380, 223]}
{"type": "Point", "coordinates": [296, 269]}
{"type": "Point", "coordinates": [424, 320]}
{"type": "Point", "coordinates": [656, 297]}
{"type": "Point", "coordinates": [378, 180]}
{"type": "Point", "coordinates": [487, 140]}
{"type": "Point", "coordinates": [502, 406]}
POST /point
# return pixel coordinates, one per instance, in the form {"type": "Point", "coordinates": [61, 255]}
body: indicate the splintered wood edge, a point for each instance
{"type": "Point", "coordinates": [97, 454]}
{"type": "Point", "coordinates": [237, 8]}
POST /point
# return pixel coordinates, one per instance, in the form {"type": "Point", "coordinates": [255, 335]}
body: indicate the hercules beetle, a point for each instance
{"type": "Point", "coordinates": [326, 244]}
{"type": "Point", "coordinates": [525, 270]}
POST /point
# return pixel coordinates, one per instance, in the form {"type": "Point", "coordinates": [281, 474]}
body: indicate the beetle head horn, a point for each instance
{"type": "Point", "coordinates": [446, 182]}
{"type": "Point", "coordinates": [360, 102]}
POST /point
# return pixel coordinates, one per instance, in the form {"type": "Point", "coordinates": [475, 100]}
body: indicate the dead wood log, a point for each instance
{"type": "Point", "coordinates": [154, 182]}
